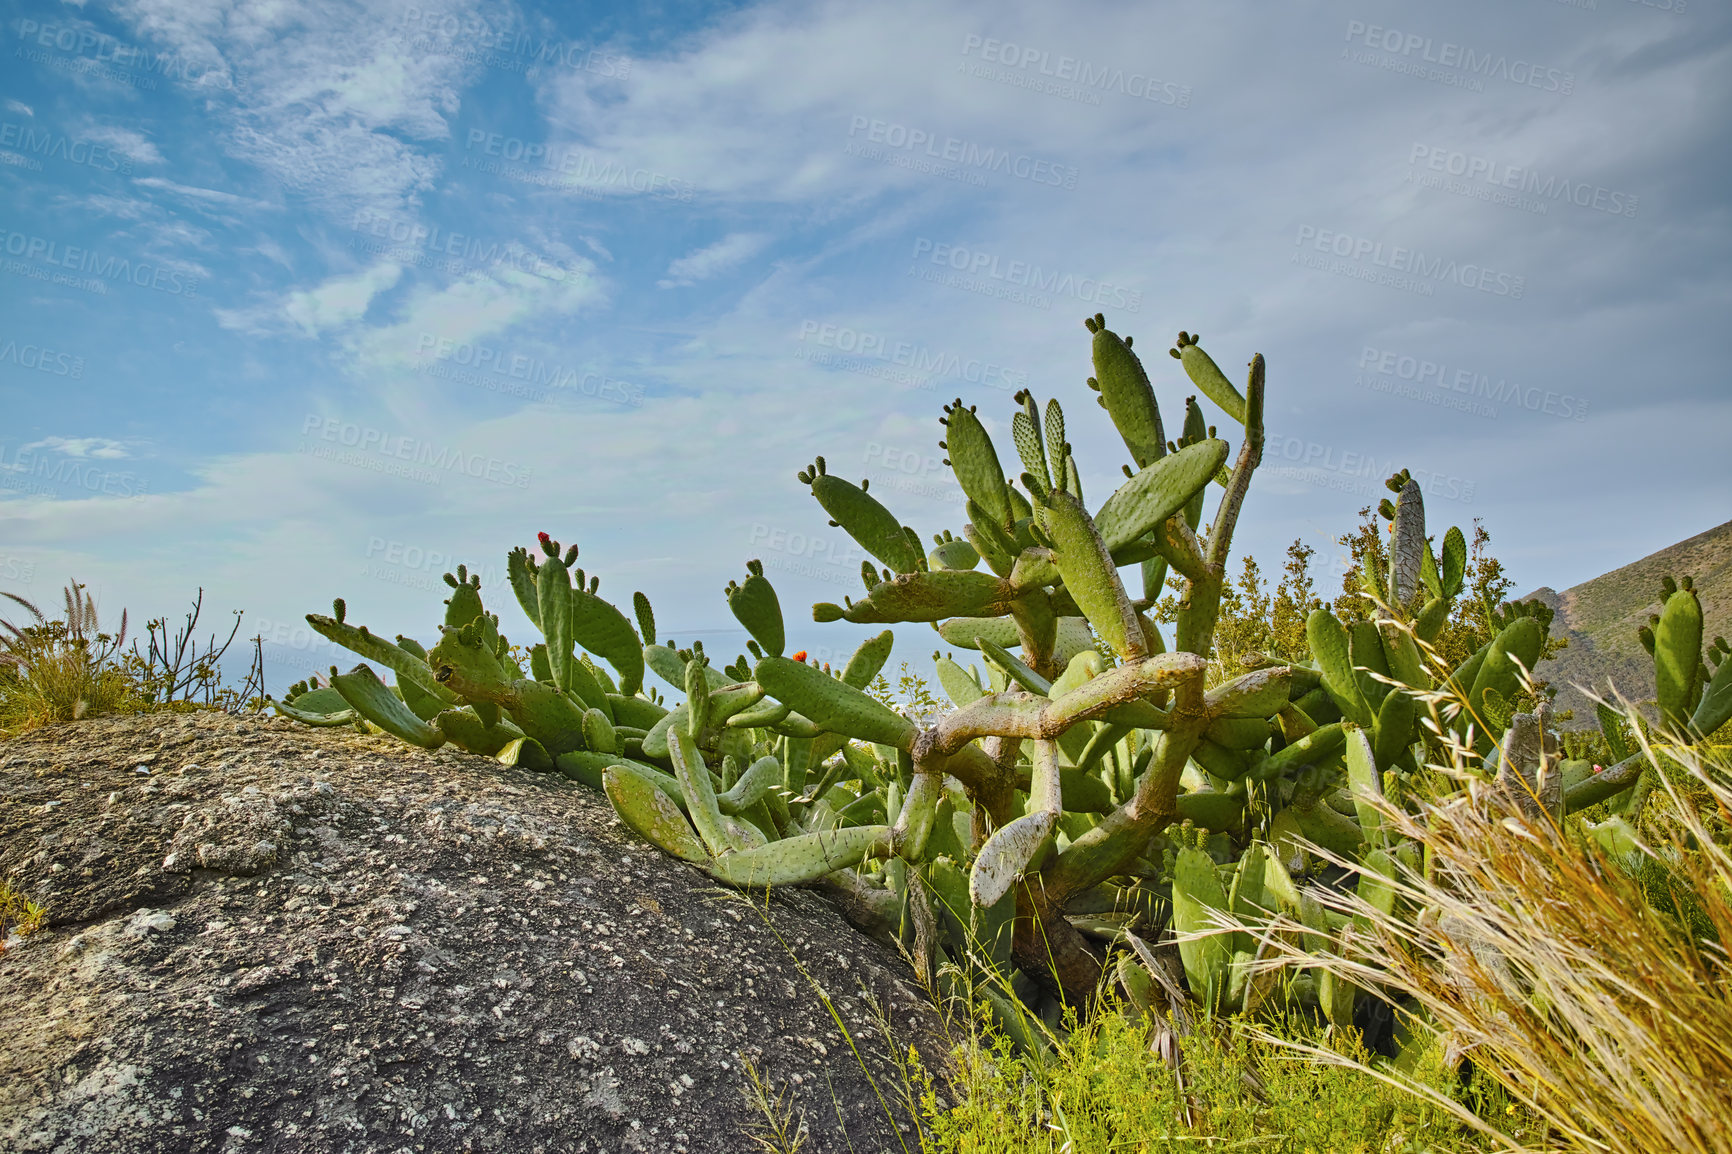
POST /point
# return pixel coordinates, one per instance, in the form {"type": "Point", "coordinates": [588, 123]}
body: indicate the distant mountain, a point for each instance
{"type": "Point", "coordinates": [1600, 617]}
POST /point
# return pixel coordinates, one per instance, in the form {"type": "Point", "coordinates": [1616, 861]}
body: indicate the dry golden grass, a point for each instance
{"type": "Point", "coordinates": [58, 671]}
{"type": "Point", "coordinates": [1543, 962]}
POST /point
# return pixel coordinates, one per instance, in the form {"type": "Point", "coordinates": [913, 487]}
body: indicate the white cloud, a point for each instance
{"type": "Point", "coordinates": [723, 256]}
{"type": "Point", "coordinates": [332, 101]}
{"type": "Point", "coordinates": [128, 143]}
{"type": "Point", "coordinates": [98, 448]}
{"type": "Point", "coordinates": [341, 300]}
{"type": "Point", "coordinates": [20, 108]}
{"type": "Point", "coordinates": [208, 196]}
{"type": "Point", "coordinates": [479, 306]}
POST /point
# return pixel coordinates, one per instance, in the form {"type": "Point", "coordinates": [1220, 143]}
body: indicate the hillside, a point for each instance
{"type": "Point", "coordinates": [1600, 617]}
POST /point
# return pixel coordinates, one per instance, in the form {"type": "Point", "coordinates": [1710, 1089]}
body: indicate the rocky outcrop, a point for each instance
{"type": "Point", "coordinates": [267, 937]}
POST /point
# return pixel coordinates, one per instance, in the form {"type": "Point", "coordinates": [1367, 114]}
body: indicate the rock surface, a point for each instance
{"type": "Point", "coordinates": [274, 938]}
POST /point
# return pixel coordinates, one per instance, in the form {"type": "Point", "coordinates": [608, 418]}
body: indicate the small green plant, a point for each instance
{"type": "Point", "coordinates": [68, 669]}
{"type": "Point", "coordinates": [1105, 1086]}
{"type": "Point", "coordinates": [18, 915]}
{"type": "Point", "coordinates": [782, 1127]}
{"type": "Point", "coordinates": [58, 671]}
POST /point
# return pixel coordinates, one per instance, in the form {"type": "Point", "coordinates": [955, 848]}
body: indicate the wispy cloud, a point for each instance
{"type": "Point", "coordinates": [207, 196]}
{"type": "Point", "coordinates": [96, 448]}
{"type": "Point", "coordinates": [133, 145]}
{"type": "Point", "coordinates": [330, 100]}
{"type": "Point", "coordinates": [725, 255]}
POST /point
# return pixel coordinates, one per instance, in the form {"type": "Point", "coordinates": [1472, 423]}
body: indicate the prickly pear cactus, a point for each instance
{"type": "Point", "coordinates": [1088, 782]}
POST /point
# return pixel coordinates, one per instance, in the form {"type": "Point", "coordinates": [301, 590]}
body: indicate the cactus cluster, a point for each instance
{"type": "Point", "coordinates": [1088, 778]}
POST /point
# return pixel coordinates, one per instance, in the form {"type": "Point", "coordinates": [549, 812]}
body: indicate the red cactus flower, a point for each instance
{"type": "Point", "coordinates": [1598, 768]}
{"type": "Point", "coordinates": [800, 656]}
{"type": "Point", "coordinates": [543, 538]}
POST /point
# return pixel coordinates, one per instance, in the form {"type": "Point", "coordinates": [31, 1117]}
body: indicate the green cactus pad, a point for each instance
{"type": "Point", "coordinates": [1090, 576]}
{"type": "Point", "coordinates": [1407, 547]}
{"type": "Point", "coordinates": [1126, 394]}
{"type": "Point", "coordinates": [975, 463]}
{"type": "Point", "coordinates": [1453, 562]}
{"type": "Point", "coordinates": [1197, 898]}
{"type": "Point", "coordinates": [519, 570]}
{"type": "Point", "coordinates": [322, 700]}
{"type": "Point", "coordinates": [373, 700]}
{"type": "Point", "coordinates": [935, 596]}
{"type": "Point", "coordinates": [1006, 855]}
{"type": "Point", "coordinates": [1677, 656]}
{"type": "Point", "coordinates": [1715, 707]}
{"type": "Point", "coordinates": [1329, 647]}
{"type": "Point", "coordinates": [316, 717]}
{"type": "Point", "coordinates": [1147, 500]}
{"type": "Point", "coordinates": [1211, 810]}
{"type": "Point", "coordinates": [832, 704]}
{"type": "Point", "coordinates": [635, 712]}
{"type": "Point", "coordinates": [868, 660]}
{"type": "Point", "coordinates": [652, 815]}
{"type": "Point", "coordinates": [1239, 734]}
{"type": "Point", "coordinates": [374, 648]}
{"type": "Point", "coordinates": [601, 628]}
{"type": "Point", "coordinates": [1367, 782]}
{"type": "Point", "coordinates": [755, 605]}
{"type": "Point", "coordinates": [760, 777]}
{"type": "Point", "coordinates": [701, 807]}
{"type": "Point", "coordinates": [466, 731]}
{"type": "Point", "coordinates": [803, 858]}
{"type": "Point", "coordinates": [598, 732]}
{"type": "Point", "coordinates": [956, 553]}
{"type": "Point", "coordinates": [1259, 693]}
{"type": "Point", "coordinates": [860, 515]}
{"type": "Point", "coordinates": [1394, 729]}
{"type": "Point", "coordinates": [1517, 646]}
{"type": "Point", "coordinates": [1208, 377]}
{"type": "Point", "coordinates": [553, 601]}
{"type": "Point", "coordinates": [464, 604]}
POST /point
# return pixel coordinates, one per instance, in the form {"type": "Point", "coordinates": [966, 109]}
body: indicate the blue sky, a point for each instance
{"type": "Point", "coordinates": [316, 300]}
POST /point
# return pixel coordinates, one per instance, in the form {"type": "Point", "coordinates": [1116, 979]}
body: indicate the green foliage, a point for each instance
{"type": "Point", "coordinates": [1104, 1088]}
{"type": "Point", "coordinates": [1100, 769]}
{"type": "Point", "coordinates": [69, 669]}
